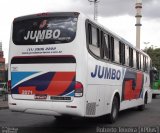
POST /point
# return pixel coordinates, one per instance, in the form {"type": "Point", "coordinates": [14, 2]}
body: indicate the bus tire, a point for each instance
{"type": "Point", "coordinates": [112, 117]}
{"type": "Point", "coordinates": [142, 107]}
{"type": "Point", "coordinates": [154, 96]}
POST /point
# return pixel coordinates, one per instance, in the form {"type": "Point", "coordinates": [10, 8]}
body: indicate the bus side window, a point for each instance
{"type": "Point", "coordinates": [142, 62]}
{"type": "Point", "coordinates": [144, 65]}
{"type": "Point", "coordinates": [94, 45]}
{"type": "Point", "coordinates": [147, 64]}
{"type": "Point", "coordinates": [150, 64]}
{"type": "Point", "coordinates": [102, 45]}
{"type": "Point", "coordinates": [116, 51]}
{"type": "Point", "coordinates": [126, 55]}
{"type": "Point", "coordinates": [104, 42]}
{"type": "Point", "coordinates": [134, 59]}
{"type": "Point", "coordinates": [122, 53]}
{"type": "Point", "coordinates": [111, 48]}
{"type": "Point", "coordinates": [94, 37]}
{"type": "Point", "coordinates": [130, 57]}
{"type": "Point", "coordinates": [89, 34]}
{"type": "Point", "coordinates": [139, 61]}
{"type": "Point", "coordinates": [137, 58]}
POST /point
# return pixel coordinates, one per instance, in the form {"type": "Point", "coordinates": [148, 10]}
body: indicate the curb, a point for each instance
{"type": "Point", "coordinates": [3, 104]}
{"type": "Point", "coordinates": [1, 108]}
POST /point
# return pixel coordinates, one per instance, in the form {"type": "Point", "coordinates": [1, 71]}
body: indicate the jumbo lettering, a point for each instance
{"type": "Point", "coordinates": [42, 34]}
{"type": "Point", "coordinates": [106, 73]}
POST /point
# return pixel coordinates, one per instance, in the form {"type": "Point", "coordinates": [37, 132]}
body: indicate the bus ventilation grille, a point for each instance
{"type": "Point", "coordinates": [91, 109]}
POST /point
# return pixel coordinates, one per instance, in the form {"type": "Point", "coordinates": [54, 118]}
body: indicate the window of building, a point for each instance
{"type": "Point", "coordinates": [1, 65]}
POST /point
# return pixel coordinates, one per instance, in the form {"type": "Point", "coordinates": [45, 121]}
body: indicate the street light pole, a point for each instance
{"type": "Point", "coordinates": [138, 24]}
{"type": "Point", "coordinates": [95, 8]}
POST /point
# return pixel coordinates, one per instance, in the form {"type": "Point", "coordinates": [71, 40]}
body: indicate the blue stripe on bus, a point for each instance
{"type": "Point", "coordinates": [70, 94]}
{"type": "Point", "coordinates": [18, 76]}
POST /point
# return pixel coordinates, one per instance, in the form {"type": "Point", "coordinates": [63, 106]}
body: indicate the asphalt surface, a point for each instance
{"type": "Point", "coordinates": [3, 104]}
{"type": "Point", "coordinates": [132, 118]}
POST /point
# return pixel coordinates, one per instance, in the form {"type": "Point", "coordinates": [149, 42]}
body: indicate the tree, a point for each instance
{"type": "Point", "coordinates": [155, 56]}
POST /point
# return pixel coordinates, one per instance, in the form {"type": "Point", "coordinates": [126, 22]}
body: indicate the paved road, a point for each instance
{"type": "Point", "coordinates": [39, 123]}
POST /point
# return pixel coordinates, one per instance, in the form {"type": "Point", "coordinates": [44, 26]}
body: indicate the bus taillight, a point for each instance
{"type": "Point", "coordinates": [78, 89]}
{"type": "Point", "coordinates": [9, 86]}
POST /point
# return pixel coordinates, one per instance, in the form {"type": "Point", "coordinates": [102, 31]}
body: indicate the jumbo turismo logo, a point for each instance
{"type": "Point", "coordinates": [42, 34]}
{"type": "Point", "coordinates": [106, 73]}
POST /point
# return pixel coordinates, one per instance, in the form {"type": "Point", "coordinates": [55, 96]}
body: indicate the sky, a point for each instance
{"type": "Point", "coordinates": [116, 15]}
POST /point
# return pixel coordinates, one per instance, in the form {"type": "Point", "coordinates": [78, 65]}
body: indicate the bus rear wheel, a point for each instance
{"type": "Point", "coordinates": [153, 96]}
{"type": "Point", "coordinates": [142, 107]}
{"type": "Point", "coordinates": [112, 117]}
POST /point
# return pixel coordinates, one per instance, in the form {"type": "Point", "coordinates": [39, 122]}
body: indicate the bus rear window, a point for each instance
{"type": "Point", "coordinates": [51, 30]}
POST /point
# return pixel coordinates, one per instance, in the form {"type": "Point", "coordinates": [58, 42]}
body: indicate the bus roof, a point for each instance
{"type": "Point", "coordinates": [47, 14]}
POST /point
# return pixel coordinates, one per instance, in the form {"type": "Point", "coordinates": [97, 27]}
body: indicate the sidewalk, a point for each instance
{"type": "Point", "coordinates": [3, 104]}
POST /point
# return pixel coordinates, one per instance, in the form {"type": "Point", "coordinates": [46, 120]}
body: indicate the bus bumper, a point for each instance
{"type": "Point", "coordinates": [74, 108]}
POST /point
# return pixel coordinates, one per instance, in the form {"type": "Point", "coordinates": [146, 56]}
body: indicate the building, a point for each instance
{"type": "Point", "coordinates": [2, 65]}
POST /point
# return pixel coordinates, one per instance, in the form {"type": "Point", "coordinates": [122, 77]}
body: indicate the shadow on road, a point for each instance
{"type": "Point", "coordinates": [48, 124]}
{"type": "Point", "coordinates": [79, 125]}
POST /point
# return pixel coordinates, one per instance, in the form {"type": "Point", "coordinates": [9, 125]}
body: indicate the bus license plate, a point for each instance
{"type": "Point", "coordinates": [40, 97]}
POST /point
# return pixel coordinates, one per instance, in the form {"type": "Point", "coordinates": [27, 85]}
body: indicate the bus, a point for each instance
{"type": "Point", "coordinates": [66, 64]}
{"type": "Point", "coordinates": [156, 84]}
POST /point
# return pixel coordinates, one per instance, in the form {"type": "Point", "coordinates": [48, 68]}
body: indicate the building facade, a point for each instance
{"type": "Point", "coordinates": [2, 65]}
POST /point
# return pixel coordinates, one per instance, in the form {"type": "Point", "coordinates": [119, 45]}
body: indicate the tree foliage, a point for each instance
{"type": "Point", "coordinates": [155, 56]}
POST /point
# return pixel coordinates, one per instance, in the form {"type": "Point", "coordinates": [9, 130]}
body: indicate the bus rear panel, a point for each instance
{"type": "Point", "coordinates": [43, 65]}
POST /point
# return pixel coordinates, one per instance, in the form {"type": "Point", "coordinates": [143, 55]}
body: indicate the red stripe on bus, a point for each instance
{"type": "Point", "coordinates": [129, 91]}
{"type": "Point", "coordinates": [59, 84]}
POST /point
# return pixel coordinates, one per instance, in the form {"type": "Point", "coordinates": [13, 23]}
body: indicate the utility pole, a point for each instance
{"type": "Point", "coordinates": [138, 24]}
{"type": "Point", "coordinates": [95, 8]}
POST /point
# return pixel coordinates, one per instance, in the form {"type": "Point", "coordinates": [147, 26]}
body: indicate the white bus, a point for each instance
{"type": "Point", "coordinates": [65, 64]}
